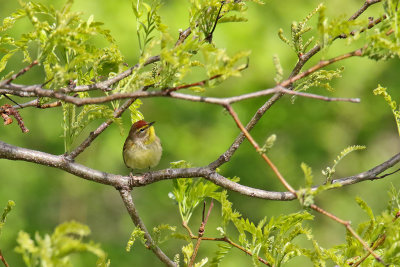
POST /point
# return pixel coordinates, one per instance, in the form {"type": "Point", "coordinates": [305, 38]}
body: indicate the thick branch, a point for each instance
{"type": "Point", "coordinates": [11, 152]}
{"type": "Point", "coordinates": [18, 153]}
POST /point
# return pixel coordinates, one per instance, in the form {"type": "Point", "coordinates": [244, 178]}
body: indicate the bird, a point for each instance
{"type": "Point", "coordinates": [142, 148]}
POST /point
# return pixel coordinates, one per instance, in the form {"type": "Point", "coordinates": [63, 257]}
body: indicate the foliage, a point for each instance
{"type": "Point", "coordinates": [329, 171]}
{"type": "Point", "coordinates": [56, 249]}
{"type": "Point", "coordinates": [392, 104]}
{"type": "Point", "coordinates": [381, 231]}
{"type": "Point", "coordinates": [74, 52]}
{"type": "Point", "coordinates": [64, 45]}
{"type": "Point", "coordinates": [272, 239]}
{"type": "Point", "coordinates": [75, 123]}
{"type": "Point", "coordinates": [298, 29]}
{"type": "Point", "coordinates": [6, 211]}
{"type": "Point", "coordinates": [137, 233]}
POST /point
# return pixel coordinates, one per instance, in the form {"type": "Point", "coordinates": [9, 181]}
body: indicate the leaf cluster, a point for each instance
{"type": "Point", "coordinates": [6, 211]}
{"type": "Point", "coordinates": [382, 91]}
{"type": "Point", "coordinates": [330, 171]}
{"type": "Point", "coordinates": [272, 239]}
{"type": "Point", "coordinates": [66, 46]}
{"type": "Point", "coordinates": [55, 249]}
{"type": "Point", "coordinates": [380, 231]}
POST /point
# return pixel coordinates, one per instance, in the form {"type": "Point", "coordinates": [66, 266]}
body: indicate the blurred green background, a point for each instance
{"type": "Point", "coordinates": [309, 131]}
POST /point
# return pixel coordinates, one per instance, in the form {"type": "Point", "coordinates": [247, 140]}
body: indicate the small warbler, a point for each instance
{"type": "Point", "coordinates": [142, 147]}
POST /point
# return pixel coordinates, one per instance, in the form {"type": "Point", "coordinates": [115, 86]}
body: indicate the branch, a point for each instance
{"type": "Point", "coordinates": [11, 152]}
{"type": "Point", "coordinates": [294, 76]}
{"type": "Point", "coordinates": [201, 231]}
{"type": "Point", "coordinates": [321, 64]}
{"type": "Point", "coordinates": [183, 35]}
{"type": "Point", "coordinates": [366, 5]}
{"type": "Point", "coordinates": [130, 206]}
{"type": "Point", "coordinates": [18, 153]}
{"type": "Point", "coordinates": [21, 72]}
{"type": "Point", "coordinates": [347, 224]}
{"type": "Point", "coordinates": [3, 260]}
{"type": "Point", "coordinates": [105, 85]}
{"type": "Point", "coordinates": [371, 174]}
{"type": "Point", "coordinates": [6, 111]}
{"type": "Point", "coordinates": [36, 103]}
{"type": "Point", "coordinates": [223, 239]}
{"type": "Point", "coordinates": [93, 135]}
{"type": "Point", "coordinates": [258, 149]}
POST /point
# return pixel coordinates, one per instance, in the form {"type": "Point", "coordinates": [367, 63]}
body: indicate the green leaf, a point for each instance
{"type": "Point", "coordinates": [392, 104]}
{"type": "Point", "coordinates": [187, 252]}
{"type": "Point", "coordinates": [329, 171]}
{"type": "Point", "coordinates": [55, 249]}
{"type": "Point", "coordinates": [137, 233]}
{"type": "Point", "coordinates": [307, 174]}
{"type": "Point", "coordinates": [7, 209]}
{"type": "Point", "coordinates": [220, 254]}
{"type": "Point", "coordinates": [5, 58]}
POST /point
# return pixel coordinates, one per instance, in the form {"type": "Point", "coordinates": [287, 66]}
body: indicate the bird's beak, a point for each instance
{"type": "Point", "coordinates": [147, 126]}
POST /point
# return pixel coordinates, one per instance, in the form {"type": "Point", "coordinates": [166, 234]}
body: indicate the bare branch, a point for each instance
{"type": "Point", "coordinates": [36, 103]}
{"type": "Point", "coordinates": [366, 5]}
{"type": "Point", "coordinates": [11, 152]}
{"type": "Point", "coordinates": [21, 72]}
{"type": "Point", "coordinates": [3, 260]}
{"type": "Point", "coordinates": [130, 206]}
{"type": "Point", "coordinates": [258, 149]}
{"type": "Point", "coordinates": [18, 153]}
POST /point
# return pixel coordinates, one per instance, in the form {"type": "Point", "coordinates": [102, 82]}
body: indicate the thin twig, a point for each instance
{"type": "Point", "coordinates": [227, 240]}
{"type": "Point", "coordinates": [130, 206]}
{"type": "Point", "coordinates": [209, 37]}
{"type": "Point", "coordinates": [3, 259]}
{"type": "Point", "coordinates": [371, 24]}
{"type": "Point", "coordinates": [36, 90]}
{"type": "Point", "coordinates": [387, 174]}
{"type": "Point", "coordinates": [93, 135]}
{"type": "Point", "coordinates": [321, 64]}
{"type": "Point", "coordinates": [9, 98]}
{"type": "Point", "coordinates": [183, 35]}
{"type": "Point", "coordinates": [267, 105]}
{"type": "Point", "coordinates": [201, 231]}
{"type": "Point", "coordinates": [349, 228]}
{"type": "Point", "coordinates": [366, 5]}
{"type": "Point", "coordinates": [319, 97]}
{"type": "Point", "coordinates": [376, 244]}
{"type": "Point", "coordinates": [21, 72]}
{"type": "Point", "coordinates": [258, 149]}
{"type": "Point", "coordinates": [222, 239]}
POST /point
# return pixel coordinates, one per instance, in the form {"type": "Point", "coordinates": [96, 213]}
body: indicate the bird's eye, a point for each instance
{"type": "Point", "coordinates": [142, 130]}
